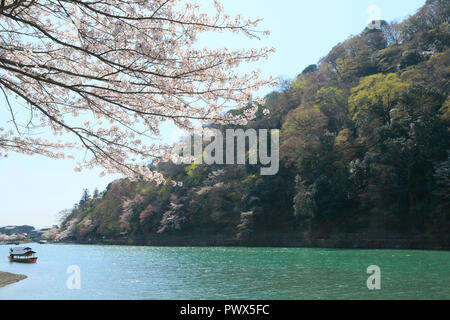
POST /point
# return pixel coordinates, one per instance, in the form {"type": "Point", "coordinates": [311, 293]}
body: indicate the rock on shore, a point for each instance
{"type": "Point", "coordinates": [8, 278]}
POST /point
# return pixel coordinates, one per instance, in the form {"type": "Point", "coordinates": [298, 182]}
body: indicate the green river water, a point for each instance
{"type": "Point", "coordinates": [128, 272]}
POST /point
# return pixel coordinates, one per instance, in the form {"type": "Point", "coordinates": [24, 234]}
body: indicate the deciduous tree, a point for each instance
{"type": "Point", "coordinates": [122, 68]}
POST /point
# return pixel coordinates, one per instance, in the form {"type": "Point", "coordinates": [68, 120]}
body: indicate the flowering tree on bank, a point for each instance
{"type": "Point", "coordinates": [108, 72]}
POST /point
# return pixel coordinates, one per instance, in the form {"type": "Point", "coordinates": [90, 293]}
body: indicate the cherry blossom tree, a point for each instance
{"type": "Point", "coordinates": [103, 75]}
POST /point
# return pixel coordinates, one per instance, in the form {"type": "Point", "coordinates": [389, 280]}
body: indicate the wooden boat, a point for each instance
{"type": "Point", "coordinates": [22, 255]}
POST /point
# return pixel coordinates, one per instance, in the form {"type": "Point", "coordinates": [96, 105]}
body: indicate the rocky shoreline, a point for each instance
{"type": "Point", "coordinates": [342, 241]}
{"type": "Point", "coordinates": [9, 278]}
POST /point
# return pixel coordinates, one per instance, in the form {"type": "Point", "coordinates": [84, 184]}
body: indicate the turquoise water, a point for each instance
{"type": "Point", "coordinates": [126, 272]}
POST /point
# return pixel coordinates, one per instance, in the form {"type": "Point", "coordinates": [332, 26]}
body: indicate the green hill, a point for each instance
{"type": "Point", "coordinates": [364, 159]}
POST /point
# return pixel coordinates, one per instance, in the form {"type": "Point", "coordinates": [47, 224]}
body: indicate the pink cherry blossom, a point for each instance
{"type": "Point", "coordinates": [123, 67]}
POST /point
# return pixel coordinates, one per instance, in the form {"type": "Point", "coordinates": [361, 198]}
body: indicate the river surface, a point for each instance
{"type": "Point", "coordinates": [128, 272]}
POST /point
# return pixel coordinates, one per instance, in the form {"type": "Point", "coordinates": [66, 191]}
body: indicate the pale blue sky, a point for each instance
{"type": "Point", "coordinates": [34, 188]}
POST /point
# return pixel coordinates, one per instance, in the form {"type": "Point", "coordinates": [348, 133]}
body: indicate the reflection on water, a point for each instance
{"type": "Point", "coordinates": [126, 272]}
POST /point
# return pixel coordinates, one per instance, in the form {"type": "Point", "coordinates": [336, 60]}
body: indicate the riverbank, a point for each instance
{"type": "Point", "coordinates": [302, 240]}
{"type": "Point", "coordinates": [9, 278]}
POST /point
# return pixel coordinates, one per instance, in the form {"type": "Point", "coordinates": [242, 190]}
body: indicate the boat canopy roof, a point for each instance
{"type": "Point", "coordinates": [20, 248]}
{"type": "Point", "coordinates": [21, 252]}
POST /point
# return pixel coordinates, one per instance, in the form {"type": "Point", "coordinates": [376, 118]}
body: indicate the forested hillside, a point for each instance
{"type": "Point", "coordinates": [364, 152]}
